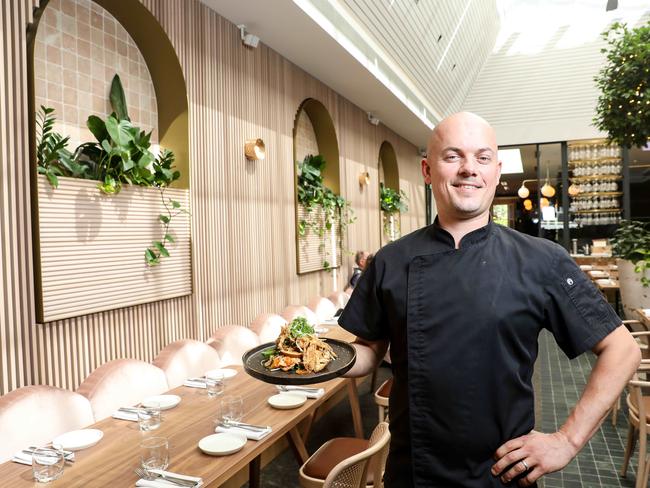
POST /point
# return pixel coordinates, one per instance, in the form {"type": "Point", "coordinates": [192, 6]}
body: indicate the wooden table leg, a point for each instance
{"type": "Point", "coordinates": [308, 422]}
{"type": "Point", "coordinates": [353, 396]}
{"type": "Point", "coordinates": [298, 446]}
{"type": "Point", "coordinates": [254, 472]}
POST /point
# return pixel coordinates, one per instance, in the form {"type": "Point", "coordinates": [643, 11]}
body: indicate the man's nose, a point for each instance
{"type": "Point", "coordinates": [468, 167]}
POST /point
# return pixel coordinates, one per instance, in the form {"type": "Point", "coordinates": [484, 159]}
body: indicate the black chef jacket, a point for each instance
{"type": "Point", "coordinates": [463, 327]}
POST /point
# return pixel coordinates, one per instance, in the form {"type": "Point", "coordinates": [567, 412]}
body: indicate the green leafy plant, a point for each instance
{"type": "Point", "coordinates": [313, 194]}
{"type": "Point", "coordinates": [631, 241]}
{"type": "Point", "coordinates": [392, 201]}
{"type": "Point", "coordinates": [121, 154]}
{"type": "Point", "coordinates": [52, 156]}
{"type": "Point", "coordinates": [623, 109]}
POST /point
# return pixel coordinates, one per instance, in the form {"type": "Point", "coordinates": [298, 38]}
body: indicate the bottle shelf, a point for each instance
{"type": "Point", "coordinates": [579, 179]}
{"type": "Point", "coordinates": [597, 194]}
{"type": "Point", "coordinates": [608, 159]}
{"type": "Point", "coordinates": [597, 210]}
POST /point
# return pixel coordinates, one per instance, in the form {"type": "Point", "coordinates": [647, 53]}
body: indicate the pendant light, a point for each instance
{"type": "Point", "coordinates": [523, 191]}
{"type": "Point", "coordinates": [528, 204]}
{"type": "Point", "coordinates": [547, 190]}
{"type": "Point", "coordinates": [574, 190]}
{"type": "Point", "coordinates": [543, 202]}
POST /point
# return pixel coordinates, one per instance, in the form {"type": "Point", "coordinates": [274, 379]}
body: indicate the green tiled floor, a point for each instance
{"type": "Point", "coordinates": [561, 382]}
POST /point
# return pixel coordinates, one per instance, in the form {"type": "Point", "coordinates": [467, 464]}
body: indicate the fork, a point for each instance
{"type": "Point", "coordinates": [171, 479]}
{"type": "Point", "coordinates": [67, 455]}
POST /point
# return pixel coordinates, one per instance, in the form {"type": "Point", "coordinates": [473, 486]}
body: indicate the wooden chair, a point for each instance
{"type": "Point", "coordinates": [120, 383]}
{"type": "Point", "coordinates": [231, 342]}
{"type": "Point", "coordinates": [348, 462]}
{"type": "Point", "coordinates": [381, 398]}
{"type": "Point", "coordinates": [639, 424]}
{"type": "Point", "coordinates": [34, 415]}
{"type": "Point", "coordinates": [186, 358]}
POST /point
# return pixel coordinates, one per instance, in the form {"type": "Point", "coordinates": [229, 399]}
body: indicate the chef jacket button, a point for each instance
{"type": "Point", "coordinates": [569, 281]}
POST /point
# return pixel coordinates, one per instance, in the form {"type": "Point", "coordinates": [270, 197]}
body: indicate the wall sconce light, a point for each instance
{"type": "Point", "coordinates": [255, 149]}
{"type": "Point", "coordinates": [247, 38]}
{"type": "Point", "coordinates": [547, 190]}
{"type": "Point", "coordinates": [523, 191]}
{"type": "Point", "coordinates": [364, 179]}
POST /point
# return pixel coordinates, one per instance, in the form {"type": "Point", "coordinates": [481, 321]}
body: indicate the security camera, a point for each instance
{"type": "Point", "coordinates": [247, 38]}
{"type": "Point", "coordinates": [372, 119]}
{"type": "Point", "coordinates": [422, 151]}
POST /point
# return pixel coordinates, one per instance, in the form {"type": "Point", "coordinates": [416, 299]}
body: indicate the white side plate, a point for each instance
{"type": "Point", "coordinates": [222, 444]}
{"type": "Point", "coordinates": [225, 372]}
{"type": "Point", "coordinates": [78, 439]}
{"type": "Point", "coordinates": [165, 401]}
{"type": "Point", "coordinates": [287, 400]}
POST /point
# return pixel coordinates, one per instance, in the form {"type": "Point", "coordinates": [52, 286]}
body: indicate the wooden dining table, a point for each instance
{"type": "Point", "coordinates": [112, 461]}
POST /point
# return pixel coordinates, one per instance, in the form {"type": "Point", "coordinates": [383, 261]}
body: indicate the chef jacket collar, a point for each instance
{"type": "Point", "coordinates": [441, 235]}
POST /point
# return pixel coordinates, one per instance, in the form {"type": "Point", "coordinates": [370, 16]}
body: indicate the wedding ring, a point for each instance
{"type": "Point", "coordinates": [525, 464]}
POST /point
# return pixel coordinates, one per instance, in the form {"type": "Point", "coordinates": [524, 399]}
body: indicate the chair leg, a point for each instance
{"type": "Point", "coordinates": [646, 472]}
{"type": "Point", "coordinates": [629, 449]}
{"type": "Point", "coordinates": [641, 471]}
{"type": "Point", "coordinates": [615, 408]}
{"type": "Point", "coordinates": [381, 413]}
{"type": "Point", "coordinates": [373, 379]}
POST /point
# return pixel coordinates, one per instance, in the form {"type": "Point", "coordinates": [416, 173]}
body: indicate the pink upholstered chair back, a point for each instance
{"type": "Point", "coordinates": [267, 326]}
{"type": "Point", "coordinates": [120, 383]}
{"type": "Point", "coordinates": [232, 341]}
{"type": "Point", "coordinates": [322, 307]}
{"type": "Point", "coordinates": [293, 311]}
{"type": "Point", "coordinates": [34, 415]}
{"type": "Point", "coordinates": [186, 358]}
{"type": "Point", "coordinates": [339, 299]}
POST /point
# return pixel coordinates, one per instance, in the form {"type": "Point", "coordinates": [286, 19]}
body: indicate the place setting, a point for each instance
{"type": "Point", "coordinates": [215, 378]}
{"type": "Point", "coordinates": [149, 413]}
{"type": "Point", "coordinates": [154, 461]}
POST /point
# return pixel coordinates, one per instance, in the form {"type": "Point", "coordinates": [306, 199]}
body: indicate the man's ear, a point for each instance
{"type": "Point", "coordinates": [426, 171]}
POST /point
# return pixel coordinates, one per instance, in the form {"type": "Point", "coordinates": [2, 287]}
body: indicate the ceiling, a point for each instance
{"type": "Point", "coordinates": [380, 46]}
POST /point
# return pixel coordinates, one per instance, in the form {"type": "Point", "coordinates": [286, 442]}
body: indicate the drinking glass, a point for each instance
{"type": "Point", "coordinates": [154, 453]}
{"type": "Point", "coordinates": [214, 384]}
{"type": "Point", "coordinates": [149, 417]}
{"type": "Point", "coordinates": [47, 464]}
{"type": "Point", "coordinates": [232, 409]}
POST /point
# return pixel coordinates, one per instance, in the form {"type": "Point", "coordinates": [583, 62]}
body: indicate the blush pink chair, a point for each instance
{"type": "Point", "coordinates": [292, 311]}
{"type": "Point", "coordinates": [186, 358]}
{"type": "Point", "coordinates": [34, 415]}
{"type": "Point", "coordinates": [267, 326]}
{"type": "Point", "coordinates": [322, 307]}
{"type": "Point", "coordinates": [120, 383]}
{"type": "Point", "coordinates": [339, 299]}
{"type": "Point", "coordinates": [231, 342]}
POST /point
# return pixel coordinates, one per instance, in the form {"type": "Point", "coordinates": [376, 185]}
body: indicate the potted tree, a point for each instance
{"type": "Point", "coordinates": [631, 245]}
{"type": "Point", "coordinates": [392, 203]}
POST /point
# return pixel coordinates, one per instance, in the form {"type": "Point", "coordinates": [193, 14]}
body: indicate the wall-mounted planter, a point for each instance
{"type": "Point", "coordinates": [391, 226]}
{"type": "Point", "coordinates": [90, 249]}
{"type": "Point", "coordinates": [315, 252]}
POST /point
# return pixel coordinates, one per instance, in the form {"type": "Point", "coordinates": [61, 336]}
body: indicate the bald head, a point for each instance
{"type": "Point", "coordinates": [462, 168]}
{"type": "Point", "coordinates": [459, 122]}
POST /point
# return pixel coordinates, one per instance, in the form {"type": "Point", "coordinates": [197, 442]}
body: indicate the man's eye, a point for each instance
{"type": "Point", "coordinates": [484, 159]}
{"type": "Point", "coordinates": [452, 157]}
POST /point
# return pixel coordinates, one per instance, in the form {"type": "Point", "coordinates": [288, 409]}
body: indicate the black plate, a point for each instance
{"type": "Point", "coordinates": [346, 355]}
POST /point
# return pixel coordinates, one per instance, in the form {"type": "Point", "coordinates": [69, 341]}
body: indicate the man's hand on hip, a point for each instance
{"type": "Point", "coordinates": [535, 453]}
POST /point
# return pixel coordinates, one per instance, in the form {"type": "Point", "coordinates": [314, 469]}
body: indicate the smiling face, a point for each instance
{"type": "Point", "coordinates": [462, 167]}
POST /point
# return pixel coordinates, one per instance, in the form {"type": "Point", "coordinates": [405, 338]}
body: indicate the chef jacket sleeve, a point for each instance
{"type": "Point", "coordinates": [577, 313]}
{"type": "Point", "coordinates": [364, 314]}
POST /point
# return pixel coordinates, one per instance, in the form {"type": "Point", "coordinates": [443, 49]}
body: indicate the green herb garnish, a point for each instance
{"type": "Point", "coordinates": [268, 353]}
{"type": "Point", "coordinates": [300, 327]}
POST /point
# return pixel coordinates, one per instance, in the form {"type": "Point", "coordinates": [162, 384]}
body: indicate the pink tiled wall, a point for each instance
{"type": "Point", "coordinates": [78, 49]}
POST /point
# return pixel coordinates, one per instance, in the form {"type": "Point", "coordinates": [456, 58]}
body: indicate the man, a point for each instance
{"type": "Point", "coordinates": [360, 259]}
{"type": "Point", "coordinates": [461, 304]}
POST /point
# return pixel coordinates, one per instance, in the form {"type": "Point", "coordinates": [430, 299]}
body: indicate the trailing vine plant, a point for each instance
{"type": "Point", "coordinates": [392, 201]}
{"type": "Point", "coordinates": [121, 154]}
{"type": "Point", "coordinates": [313, 194]}
{"type": "Point", "coordinates": [623, 109]}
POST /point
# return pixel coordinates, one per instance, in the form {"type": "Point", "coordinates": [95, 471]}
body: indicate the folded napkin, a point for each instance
{"type": "Point", "coordinates": [22, 458]}
{"type": "Point", "coordinates": [250, 434]}
{"type": "Point", "coordinates": [122, 415]}
{"type": "Point", "coordinates": [161, 483]}
{"type": "Point", "coordinates": [308, 392]}
{"type": "Point", "coordinates": [194, 384]}
{"type": "Point", "coordinates": [25, 458]}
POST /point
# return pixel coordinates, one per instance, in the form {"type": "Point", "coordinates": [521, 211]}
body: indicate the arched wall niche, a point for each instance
{"type": "Point", "coordinates": [326, 140]}
{"type": "Point", "coordinates": [314, 133]}
{"type": "Point", "coordinates": [88, 219]}
{"type": "Point", "coordinates": [164, 68]}
{"type": "Point", "coordinates": [388, 170]}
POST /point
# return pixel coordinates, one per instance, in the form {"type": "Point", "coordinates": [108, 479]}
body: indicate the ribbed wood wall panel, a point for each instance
{"type": "Point", "coordinates": [243, 217]}
{"type": "Point", "coordinates": [540, 97]}
{"type": "Point", "coordinates": [442, 70]}
{"type": "Point", "coordinates": [92, 248]}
